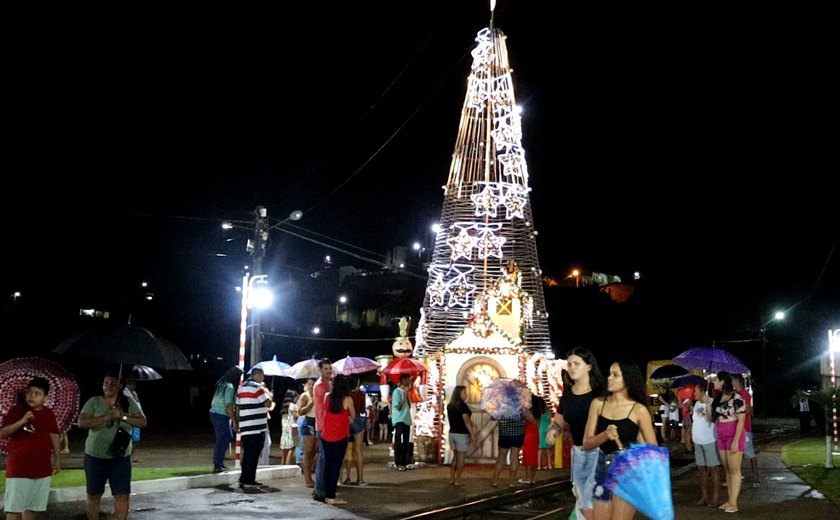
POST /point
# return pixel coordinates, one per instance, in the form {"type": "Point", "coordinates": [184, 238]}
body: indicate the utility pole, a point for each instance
{"type": "Point", "coordinates": [763, 384]}
{"type": "Point", "coordinates": [258, 252]}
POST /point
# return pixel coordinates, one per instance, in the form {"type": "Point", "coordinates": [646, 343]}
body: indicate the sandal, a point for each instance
{"type": "Point", "coordinates": [346, 482]}
{"type": "Point", "coordinates": [335, 501]}
{"type": "Point", "coordinates": [701, 502]}
{"type": "Point", "coordinates": [494, 483]}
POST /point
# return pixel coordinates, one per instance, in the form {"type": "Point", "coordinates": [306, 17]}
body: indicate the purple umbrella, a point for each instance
{"type": "Point", "coordinates": [354, 365]}
{"type": "Point", "coordinates": [711, 359]}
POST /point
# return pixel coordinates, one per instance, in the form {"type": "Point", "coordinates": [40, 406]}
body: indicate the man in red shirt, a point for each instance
{"type": "Point", "coordinates": [322, 387]}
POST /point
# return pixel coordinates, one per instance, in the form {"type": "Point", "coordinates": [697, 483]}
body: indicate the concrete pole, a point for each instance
{"type": "Point", "coordinates": [260, 241]}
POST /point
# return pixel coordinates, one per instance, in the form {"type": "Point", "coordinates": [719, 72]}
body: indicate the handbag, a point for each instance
{"type": "Point", "coordinates": [120, 443]}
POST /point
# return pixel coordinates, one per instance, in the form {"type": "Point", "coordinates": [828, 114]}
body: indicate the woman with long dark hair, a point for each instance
{"type": "Point", "coordinates": [728, 411]}
{"type": "Point", "coordinates": [335, 432]}
{"type": "Point", "coordinates": [582, 382]}
{"type": "Point", "coordinates": [461, 432]}
{"type": "Point", "coordinates": [223, 415]}
{"type": "Point", "coordinates": [617, 421]}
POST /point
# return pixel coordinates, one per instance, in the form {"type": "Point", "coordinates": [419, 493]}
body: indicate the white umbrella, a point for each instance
{"type": "Point", "coordinates": [305, 369]}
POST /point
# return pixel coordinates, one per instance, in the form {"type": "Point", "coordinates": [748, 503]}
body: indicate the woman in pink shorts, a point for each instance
{"type": "Point", "coordinates": [729, 411]}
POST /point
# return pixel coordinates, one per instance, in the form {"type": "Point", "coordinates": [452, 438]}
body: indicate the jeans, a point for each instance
{"type": "Point", "coordinates": [224, 436]}
{"type": "Point", "coordinates": [299, 448]}
{"type": "Point", "coordinates": [320, 484]}
{"type": "Point", "coordinates": [333, 455]}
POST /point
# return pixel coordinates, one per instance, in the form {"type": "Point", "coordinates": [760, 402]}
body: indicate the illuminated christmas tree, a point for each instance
{"type": "Point", "coordinates": [486, 221]}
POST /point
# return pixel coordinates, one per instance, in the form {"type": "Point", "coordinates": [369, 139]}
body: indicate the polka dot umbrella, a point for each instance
{"type": "Point", "coordinates": [63, 398]}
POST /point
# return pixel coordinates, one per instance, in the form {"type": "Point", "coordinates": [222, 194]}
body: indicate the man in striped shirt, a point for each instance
{"type": "Point", "coordinates": [252, 403]}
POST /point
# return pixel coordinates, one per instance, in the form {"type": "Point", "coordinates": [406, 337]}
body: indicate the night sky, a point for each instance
{"type": "Point", "coordinates": [692, 150]}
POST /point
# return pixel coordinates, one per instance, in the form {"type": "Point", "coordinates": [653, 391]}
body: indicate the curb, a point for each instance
{"type": "Point", "coordinates": [73, 494]}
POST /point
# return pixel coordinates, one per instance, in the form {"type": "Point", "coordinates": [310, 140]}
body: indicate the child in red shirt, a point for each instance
{"type": "Point", "coordinates": [34, 452]}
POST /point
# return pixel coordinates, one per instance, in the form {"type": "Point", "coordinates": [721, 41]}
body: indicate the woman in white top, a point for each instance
{"type": "Point", "coordinates": [705, 449]}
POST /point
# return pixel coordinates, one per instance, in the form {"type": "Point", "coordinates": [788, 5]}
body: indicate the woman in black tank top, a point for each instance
{"type": "Point", "coordinates": [615, 422]}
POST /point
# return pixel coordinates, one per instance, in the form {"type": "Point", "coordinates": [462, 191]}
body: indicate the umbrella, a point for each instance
{"type": "Point", "coordinates": [690, 379]}
{"type": "Point", "coordinates": [686, 392]}
{"type": "Point", "coordinates": [505, 397]}
{"type": "Point", "coordinates": [143, 373]}
{"type": "Point", "coordinates": [272, 367]}
{"type": "Point", "coordinates": [305, 369]}
{"type": "Point", "coordinates": [711, 359]}
{"type": "Point", "coordinates": [399, 366]}
{"type": "Point", "coordinates": [63, 398]}
{"type": "Point", "coordinates": [641, 475]}
{"type": "Point", "coordinates": [128, 345]}
{"type": "Point", "coordinates": [668, 372]}
{"type": "Point", "coordinates": [354, 365]}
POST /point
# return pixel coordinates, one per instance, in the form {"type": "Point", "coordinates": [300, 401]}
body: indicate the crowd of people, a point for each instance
{"type": "Point", "coordinates": [325, 427]}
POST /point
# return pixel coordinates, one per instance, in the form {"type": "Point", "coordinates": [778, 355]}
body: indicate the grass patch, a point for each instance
{"type": "Point", "coordinates": [76, 477]}
{"type": "Point", "coordinates": [806, 458]}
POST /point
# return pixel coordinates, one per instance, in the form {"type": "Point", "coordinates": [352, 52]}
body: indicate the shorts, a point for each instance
{"type": "Point", "coordinates": [308, 427]}
{"type": "Point", "coordinates": [26, 494]}
{"type": "Point", "coordinates": [706, 454]}
{"type": "Point", "coordinates": [749, 448]}
{"type": "Point", "coordinates": [583, 475]}
{"type": "Point", "coordinates": [602, 472]}
{"type": "Point", "coordinates": [459, 441]}
{"type": "Point", "coordinates": [507, 443]}
{"type": "Point", "coordinates": [726, 433]}
{"type": "Point", "coordinates": [358, 425]}
{"type": "Point", "coordinates": [117, 472]}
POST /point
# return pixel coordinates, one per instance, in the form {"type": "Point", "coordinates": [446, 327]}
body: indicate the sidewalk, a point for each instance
{"type": "Point", "coordinates": [392, 494]}
{"type": "Point", "coordinates": [781, 494]}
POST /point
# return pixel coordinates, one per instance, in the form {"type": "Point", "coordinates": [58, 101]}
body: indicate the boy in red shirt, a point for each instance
{"type": "Point", "coordinates": [34, 452]}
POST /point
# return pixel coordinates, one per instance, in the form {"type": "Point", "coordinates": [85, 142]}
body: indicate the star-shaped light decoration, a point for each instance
{"type": "Point", "coordinates": [489, 244]}
{"type": "Point", "coordinates": [459, 288]}
{"type": "Point", "coordinates": [486, 201]}
{"type": "Point", "coordinates": [437, 291]}
{"type": "Point", "coordinates": [514, 165]}
{"type": "Point", "coordinates": [462, 245]}
{"type": "Point", "coordinates": [515, 200]}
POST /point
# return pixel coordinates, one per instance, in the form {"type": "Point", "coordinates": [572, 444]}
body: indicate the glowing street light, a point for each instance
{"type": "Point", "coordinates": [253, 296]}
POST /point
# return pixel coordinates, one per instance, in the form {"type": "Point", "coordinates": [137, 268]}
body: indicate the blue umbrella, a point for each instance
{"type": "Point", "coordinates": [691, 379]}
{"type": "Point", "coordinates": [641, 475]}
{"type": "Point", "coordinates": [272, 367]}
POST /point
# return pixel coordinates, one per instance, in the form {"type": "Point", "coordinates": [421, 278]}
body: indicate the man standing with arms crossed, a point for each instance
{"type": "Point", "coordinates": [252, 403]}
{"type": "Point", "coordinates": [322, 387]}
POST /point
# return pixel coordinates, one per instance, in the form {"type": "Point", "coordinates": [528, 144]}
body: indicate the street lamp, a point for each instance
{"type": "Point", "coordinates": [777, 316]}
{"type": "Point", "coordinates": [257, 246]}
{"type": "Point", "coordinates": [253, 296]}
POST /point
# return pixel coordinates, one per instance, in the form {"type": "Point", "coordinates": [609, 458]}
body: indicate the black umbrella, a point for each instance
{"type": "Point", "coordinates": [668, 372]}
{"type": "Point", "coordinates": [127, 345]}
{"type": "Point", "coordinates": [143, 373]}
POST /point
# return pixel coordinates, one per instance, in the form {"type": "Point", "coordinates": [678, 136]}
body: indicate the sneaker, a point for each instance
{"type": "Point", "coordinates": [219, 470]}
{"type": "Point", "coordinates": [400, 468]}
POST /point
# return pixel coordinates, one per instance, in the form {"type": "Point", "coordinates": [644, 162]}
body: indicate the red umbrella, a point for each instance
{"type": "Point", "coordinates": [400, 366]}
{"type": "Point", "coordinates": [63, 398]}
{"type": "Point", "coordinates": [686, 392]}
